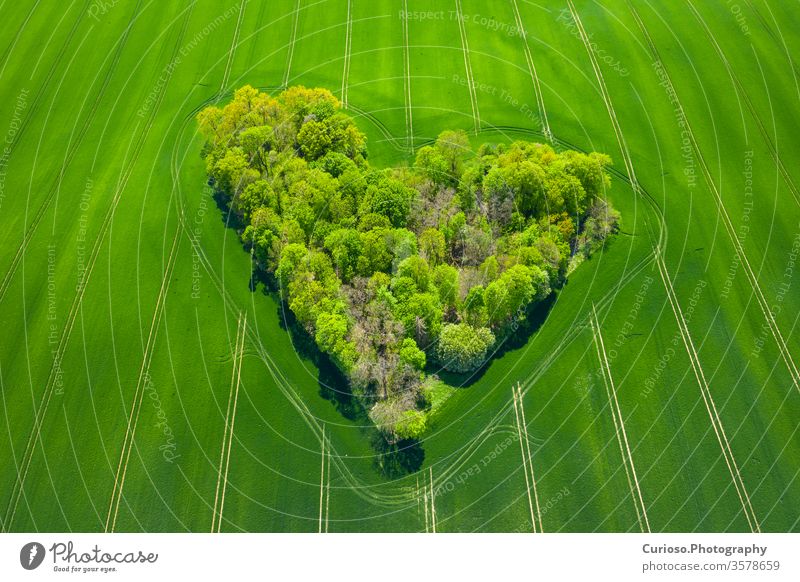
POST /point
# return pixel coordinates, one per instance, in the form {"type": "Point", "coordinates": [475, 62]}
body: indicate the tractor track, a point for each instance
{"type": "Point", "coordinates": [55, 371]}
{"type": "Point", "coordinates": [72, 150]}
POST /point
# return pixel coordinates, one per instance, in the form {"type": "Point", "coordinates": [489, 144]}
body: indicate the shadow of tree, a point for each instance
{"type": "Point", "coordinates": [392, 459]}
{"type": "Point", "coordinates": [332, 383]}
{"type": "Point", "coordinates": [535, 316]}
{"type": "Point", "coordinates": [229, 219]}
{"type": "Point", "coordinates": [397, 459]}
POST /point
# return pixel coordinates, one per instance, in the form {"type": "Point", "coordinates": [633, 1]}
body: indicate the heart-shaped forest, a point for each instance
{"type": "Point", "coordinates": [401, 275]}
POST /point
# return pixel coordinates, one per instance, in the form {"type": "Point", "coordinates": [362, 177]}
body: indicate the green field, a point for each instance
{"type": "Point", "coordinates": [660, 393]}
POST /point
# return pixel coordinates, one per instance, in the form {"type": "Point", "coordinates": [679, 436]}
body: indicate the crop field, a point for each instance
{"type": "Point", "coordinates": [147, 383]}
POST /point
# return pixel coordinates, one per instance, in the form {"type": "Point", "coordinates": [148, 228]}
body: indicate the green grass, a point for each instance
{"type": "Point", "coordinates": [149, 230]}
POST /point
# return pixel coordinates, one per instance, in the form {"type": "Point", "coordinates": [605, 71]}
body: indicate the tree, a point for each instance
{"type": "Point", "coordinates": [421, 314]}
{"type": "Point", "coordinates": [291, 232]}
{"type": "Point", "coordinates": [432, 246]}
{"type": "Point", "coordinates": [314, 288]}
{"type": "Point", "coordinates": [331, 332]}
{"type": "Point", "coordinates": [462, 348]}
{"type": "Point", "coordinates": [415, 268]}
{"type": "Point", "coordinates": [433, 165]}
{"type": "Point", "coordinates": [403, 288]}
{"type": "Point", "coordinates": [390, 198]}
{"type": "Point", "coordinates": [445, 279]}
{"type": "Point", "coordinates": [319, 191]}
{"type": "Point", "coordinates": [603, 221]}
{"type": "Point", "coordinates": [551, 259]}
{"type": "Point", "coordinates": [256, 142]}
{"type": "Point", "coordinates": [386, 268]}
{"type": "Point", "coordinates": [453, 147]}
{"type": "Point", "coordinates": [402, 243]}
{"type": "Point", "coordinates": [373, 221]}
{"type": "Point", "coordinates": [498, 194]}
{"type": "Point", "coordinates": [590, 171]}
{"type": "Point", "coordinates": [397, 419]}
{"type": "Point", "coordinates": [411, 354]}
{"type": "Point", "coordinates": [520, 288]}
{"type": "Point", "coordinates": [256, 195]}
{"type": "Point", "coordinates": [475, 312]}
{"type": "Point", "coordinates": [469, 188]}
{"type": "Point", "coordinates": [411, 425]}
{"type": "Point", "coordinates": [564, 192]}
{"type": "Point", "coordinates": [508, 296]}
{"type": "Point", "coordinates": [336, 164]}
{"type": "Point", "coordinates": [454, 234]}
{"type": "Point", "coordinates": [345, 246]}
{"type": "Point", "coordinates": [209, 122]}
{"type": "Point", "coordinates": [489, 269]}
{"type": "Point", "coordinates": [232, 173]}
{"type": "Point", "coordinates": [541, 282]}
{"type": "Point", "coordinates": [528, 182]}
{"type": "Point", "coordinates": [262, 235]}
{"type": "Point", "coordinates": [292, 258]}
{"type": "Point", "coordinates": [477, 244]}
{"type": "Point", "coordinates": [494, 298]}
{"type": "Point", "coordinates": [314, 139]}
{"type": "Point", "coordinates": [300, 102]}
{"type": "Point", "coordinates": [375, 255]}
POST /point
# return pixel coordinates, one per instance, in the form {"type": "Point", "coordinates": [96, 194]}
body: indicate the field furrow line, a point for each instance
{"type": "Point", "coordinates": [138, 399]}
{"type": "Point", "coordinates": [407, 81]}
{"type": "Point", "coordinates": [619, 438]}
{"type": "Point", "coordinates": [476, 116]}
{"type": "Point", "coordinates": [230, 430]}
{"type": "Point", "coordinates": [537, 87]}
{"type": "Point", "coordinates": [472, 446]}
{"type": "Point", "coordinates": [433, 503]}
{"type": "Point", "coordinates": [158, 311]}
{"type": "Point", "coordinates": [55, 370]}
{"type": "Point", "coordinates": [427, 518]}
{"type": "Point", "coordinates": [328, 490]}
{"type": "Point", "coordinates": [292, 38]}
{"type": "Point", "coordinates": [380, 126]}
{"type": "Point", "coordinates": [321, 477]}
{"type": "Point", "coordinates": [419, 503]}
{"type": "Point", "coordinates": [530, 457]}
{"type": "Point", "coordinates": [50, 72]}
{"type": "Point", "coordinates": [71, 150]}
{"type": "Point", "coordinates": [619, 422]}
{"type": "Point", "coordinates": [705, 391]}
{"type": "Point", "coordinates": [524, 463]}
{"type": "Point", "coordinates": [773, 151]}
{"type": "Point", "coordinates": [365, 492]}
{"type": "Point", "coordinates": [13, 42]}
{"type": "Point", "coordinates": [723, 213]}
{"type": "Point", "coordinates": [348, 39]}
{"type": "Point", "coordinates": [685, 336]}
{"type": "Point", "coordinates": [239, 336]}
{"type": "Point", "coordinates": [232, 51]}
{"type": "Point", "coordinates": [72, 314]}
{"type": "Point", "coordinates": [781, 41]}
{"type": "Point", "coordinates": [251, 56]}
